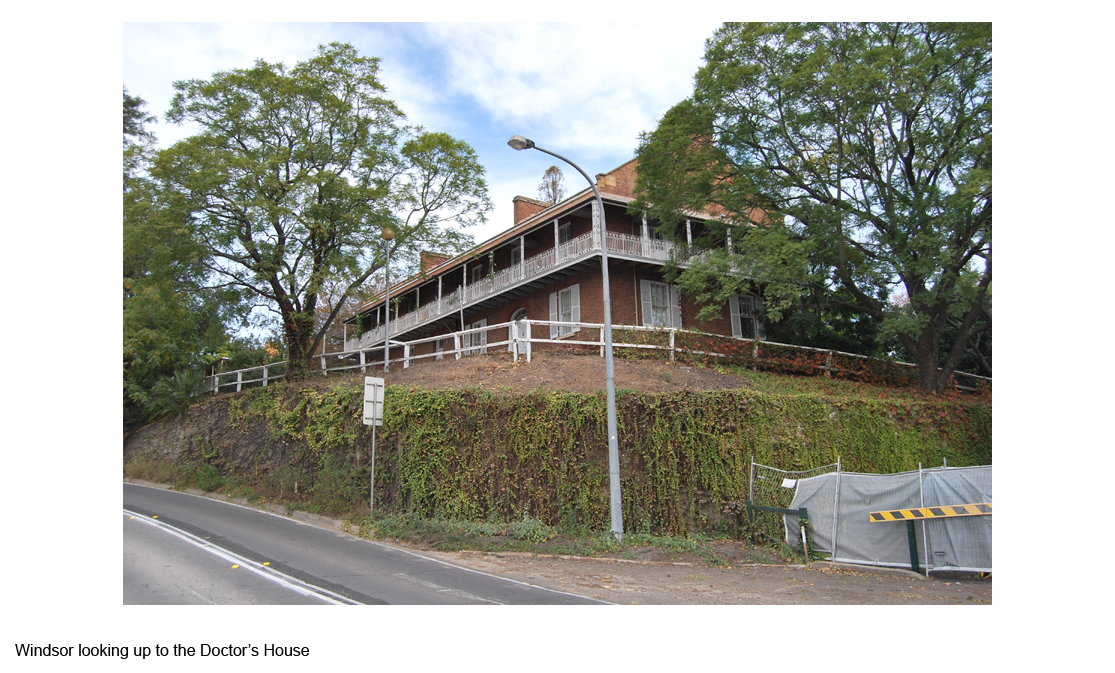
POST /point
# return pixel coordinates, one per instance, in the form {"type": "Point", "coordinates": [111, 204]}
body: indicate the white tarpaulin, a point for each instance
{"type": "Point", "coordinates": [954, 543]}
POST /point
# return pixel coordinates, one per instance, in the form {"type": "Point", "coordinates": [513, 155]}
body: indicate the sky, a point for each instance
{"type": "Point", "coordinates": [576, 89]}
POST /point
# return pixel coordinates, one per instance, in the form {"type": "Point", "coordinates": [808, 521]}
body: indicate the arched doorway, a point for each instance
{"type": "Point", "coordinates": [518, 315]}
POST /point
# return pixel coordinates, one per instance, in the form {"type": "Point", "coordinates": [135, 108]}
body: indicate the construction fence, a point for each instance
{"type": "Point", "coordinates": [840, 506]}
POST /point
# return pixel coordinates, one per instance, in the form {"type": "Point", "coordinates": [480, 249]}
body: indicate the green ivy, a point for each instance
{"type": "Point", "coordinates": [476, 455]}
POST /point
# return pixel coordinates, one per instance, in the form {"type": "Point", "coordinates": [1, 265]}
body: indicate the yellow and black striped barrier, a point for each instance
{"type": "Point", "coordinates": [939, 512]}
{"type": "Point", "coordinates": [974, 509]}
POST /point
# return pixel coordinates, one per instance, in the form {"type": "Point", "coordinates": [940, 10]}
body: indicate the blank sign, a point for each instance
{"type": "Point", "coordinates": [373, 401]}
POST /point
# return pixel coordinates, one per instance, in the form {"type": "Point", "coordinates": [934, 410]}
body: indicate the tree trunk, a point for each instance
{"type": "Point", "coordinates": [926, 352]}
{"type": "Point", "coordinates": [298, 328]}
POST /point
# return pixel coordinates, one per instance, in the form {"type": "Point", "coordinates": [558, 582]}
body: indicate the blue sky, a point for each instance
{"type": "Point", "coordinates": [585, 91]}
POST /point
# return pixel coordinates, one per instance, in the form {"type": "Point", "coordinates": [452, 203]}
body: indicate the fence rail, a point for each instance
{"type": "Point", "coordinates": [755, 353]}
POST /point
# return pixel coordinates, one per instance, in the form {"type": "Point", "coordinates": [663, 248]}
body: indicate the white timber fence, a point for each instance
{"type": "Point", "coordinates": [522, 334]}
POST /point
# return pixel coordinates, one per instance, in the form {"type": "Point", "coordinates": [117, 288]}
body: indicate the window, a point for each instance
{"type": "Point", "coordinates": [475, 271]}
{"type": "Point", "coordinates": [476, 342]}
{"type": "Point", "coordinates": [565, 306]}
{"type": "Point", "coordinates": [746, 323]}
{"type": "Point", "coordinates": [661, 304]}
{"type": "Point", "coordinates": [563, 233]}
{"type": "Point", "coordinates": [516, 256]}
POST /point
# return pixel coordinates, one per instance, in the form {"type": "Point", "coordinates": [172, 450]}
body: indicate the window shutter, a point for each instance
{"type": "Point", "coordinates": [675, 307]}
{"type": "Point", "coordinates": [554, 316]}
{"type": "Point", "coordinates": [733, 301]}
{"type": "Point", "coordinates": [644, 294]}
{"type": "Point", "coordinates": [575, 302]}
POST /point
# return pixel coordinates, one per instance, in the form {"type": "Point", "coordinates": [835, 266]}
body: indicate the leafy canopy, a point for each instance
{"type": "Point", "coordinates": [295, 173]}
{"type": "Point", "coordinates": [868, 145]}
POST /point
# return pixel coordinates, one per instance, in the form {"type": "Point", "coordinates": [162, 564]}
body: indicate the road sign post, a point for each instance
{"type": "Point", "coordinates": [373, 416]}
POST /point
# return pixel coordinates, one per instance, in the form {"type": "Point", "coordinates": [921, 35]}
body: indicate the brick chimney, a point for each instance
{"type": "Point", "coordinates": [525, 208]}
{"type": "Point", "coordinates": [431, 259]}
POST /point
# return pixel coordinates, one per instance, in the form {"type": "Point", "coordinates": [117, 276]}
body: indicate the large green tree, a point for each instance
{"type": "Point", "coordinates": [171, 329]}
{"type": "Point", "coordinates": [296, 171]}
{"type": "Point", "coordinates": [865, 147]}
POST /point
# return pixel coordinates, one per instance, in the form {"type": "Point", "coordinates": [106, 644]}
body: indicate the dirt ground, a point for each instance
{"type": "Point", "coordinates": [579, 371]}
{"type": "Point", "coordinates": [631, 582]}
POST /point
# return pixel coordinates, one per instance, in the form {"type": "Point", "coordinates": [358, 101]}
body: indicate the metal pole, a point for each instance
{"type": "Point", "coordinates": [609, 365]}
{"type": "Point", "coordinates": [924, 532]}
{"type": "Point", "coordinates": [372, 481]}
{"type": "Point", "coordinates": [836, 509]}
{"type": "Point", "coordinates": [387, 308]}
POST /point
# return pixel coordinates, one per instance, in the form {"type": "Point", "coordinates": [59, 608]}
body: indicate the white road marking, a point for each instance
{"type": "Point", "coordinates": [285, 581]}
{"type": "Point", "coordinates": [385, 546]}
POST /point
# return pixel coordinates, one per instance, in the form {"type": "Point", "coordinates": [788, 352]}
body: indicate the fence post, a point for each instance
{"type": "Point", "coordinates": [216, 381]}
{"type": "Point", "coordinates": [239, 378]}
{"type": "Point", "coordinates": [673, 333]}
{"type": "Point", "coordinates": [406, 355]}
{"type": "Point", "coordinates": [601, 340]}
{"type": "Point", "coordinates": [264, 376]}
{"type": "Point", "coordinates": [514, 341]}
{"type": "Point", "coordinates": [363, 368]}
{"type": "Point", "coordinates": [836, 510]}
{"type": "Point", "coordinates": [324, 371]}
{"type": "Point", "coordinates": [457, 345]}
{"type": "Point", "coordinates": [828, 366]}
{"type": "Point", "coordinates": [527, 323]}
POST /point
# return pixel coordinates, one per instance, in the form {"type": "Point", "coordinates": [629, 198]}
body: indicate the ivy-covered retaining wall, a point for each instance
{"type": "Point", "coordinates": [479, 455]}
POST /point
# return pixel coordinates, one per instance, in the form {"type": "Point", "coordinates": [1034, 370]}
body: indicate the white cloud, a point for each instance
{"type": "Point", "coordinates": [589, 88]}
{"type": "Point", "coordinates": [584, 90]}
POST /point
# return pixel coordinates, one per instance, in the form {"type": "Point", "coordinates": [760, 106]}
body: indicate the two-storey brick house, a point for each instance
{"type": "Point", "coordinates": [547, 267]}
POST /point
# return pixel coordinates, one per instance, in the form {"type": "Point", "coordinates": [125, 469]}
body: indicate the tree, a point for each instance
{"type": "Point", "coordinates": [135, 120]}
{"type": "Point", "coordinates": [295, 173]}
{"type": "Point", "coordinates": [552, 188]}
{"type": "Point", "coordinates": [868, 146]}
{"type": "Point", "coordinates": [170, 328]}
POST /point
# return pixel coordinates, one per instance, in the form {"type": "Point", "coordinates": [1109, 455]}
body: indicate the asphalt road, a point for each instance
{"type": "Point", "coordinates": [186, 549]}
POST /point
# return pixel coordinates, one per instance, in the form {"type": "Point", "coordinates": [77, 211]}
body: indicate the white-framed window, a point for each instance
{"type": "Point", "coordinates": [563, 233]}
{"type": "Point", "coordinates": [475, 271]}
{"type": "Point", "coordinates": [661, 304]}
{"type": "Point", "coordinates": [516, 256]}
{"type": "Point", "coordinates": [565, 306]}
{"type": "Point", "coordinates": [475, 342]}
{"type": "Point", "coordinates": [439, 349]}
{"type": "Point", "coordinates": [746, 323]}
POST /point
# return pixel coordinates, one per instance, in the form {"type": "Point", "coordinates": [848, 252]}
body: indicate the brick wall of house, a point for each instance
{"type": "Point", "coordinates": [626, 307]}
{"type": "Point", "coordinates": [525, 208]}
{"type": "Point", "coordinates": [620, 182]}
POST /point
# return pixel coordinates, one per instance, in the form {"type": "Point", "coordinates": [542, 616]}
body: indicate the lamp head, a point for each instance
{"type": "Point", "coordinates": [387, 234]}
{"type": "Point", "coordinates": [520, 143]}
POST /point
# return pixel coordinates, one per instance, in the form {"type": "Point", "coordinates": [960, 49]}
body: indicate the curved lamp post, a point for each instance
{"type": "Point", "coordinates": [387, 235]}
{"type": "Point", "coordinates": [521, 143]}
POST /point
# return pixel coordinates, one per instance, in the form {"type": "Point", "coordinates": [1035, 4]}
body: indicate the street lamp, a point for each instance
{"type": "Point", "coordinates": [521, 143]}
{"type": "Point", "coordinates": [387, 235]}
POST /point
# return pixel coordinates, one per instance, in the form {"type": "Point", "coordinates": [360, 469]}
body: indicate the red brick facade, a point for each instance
{"type": "Point", "coordinates": [538, 234]}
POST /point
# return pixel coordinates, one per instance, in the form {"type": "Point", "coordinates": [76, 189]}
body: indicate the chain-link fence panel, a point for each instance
{"type": "Point", "coordinates": [772, 487]}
